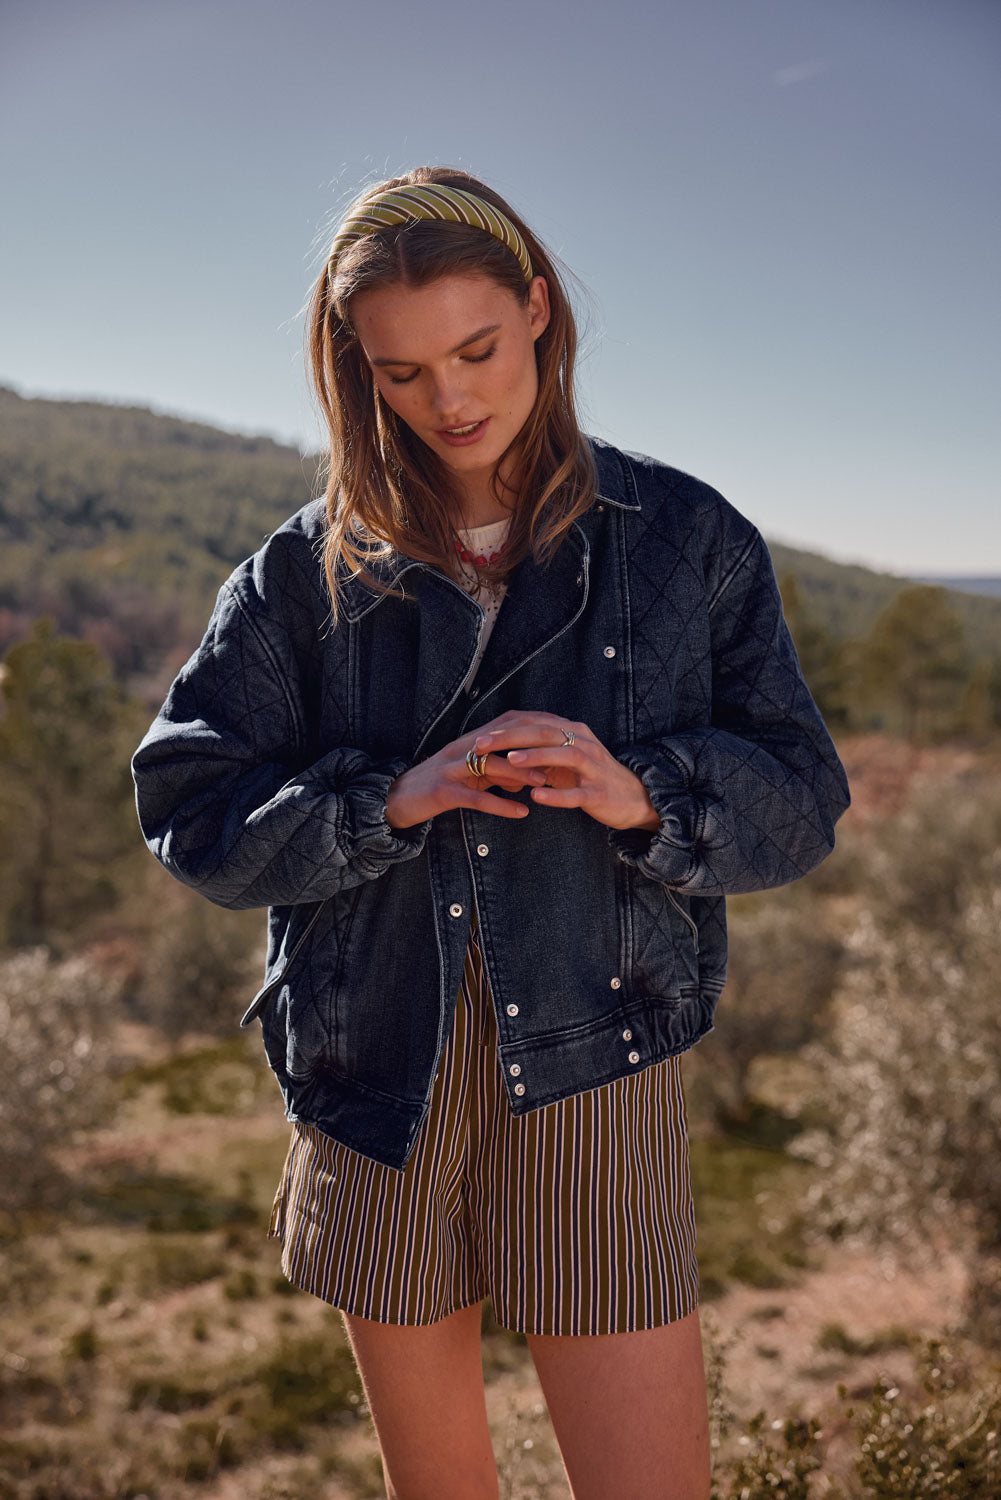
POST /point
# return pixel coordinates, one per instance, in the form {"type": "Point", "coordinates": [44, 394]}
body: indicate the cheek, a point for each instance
{"type": "Point", "coordinates": [521, 380]}
{"type": "Point", "coordinates": [397, 397]}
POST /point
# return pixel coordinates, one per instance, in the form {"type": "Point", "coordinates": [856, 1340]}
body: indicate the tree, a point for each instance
{"type": "Point", "coordinates": [914, 660]}
{"type": "Point", "coordinates": [821, 655]}
{"type": "Point", "coordinates": [67, 812]}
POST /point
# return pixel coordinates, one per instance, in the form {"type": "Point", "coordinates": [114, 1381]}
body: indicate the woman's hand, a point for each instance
{"type": "Point", "coordinates": [583, 774]}
{"type": "Point", "coordinates": [444, 781]}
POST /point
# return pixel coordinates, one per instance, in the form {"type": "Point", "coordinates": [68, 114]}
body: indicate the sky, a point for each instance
{"type": "Point", "coordinates": [785, 217]}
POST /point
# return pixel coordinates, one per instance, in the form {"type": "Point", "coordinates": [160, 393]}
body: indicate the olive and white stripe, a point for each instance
{"type": "Point", "coordinates": [576, 1218]}
{"type": "Point", "coordinates": [430, 201]}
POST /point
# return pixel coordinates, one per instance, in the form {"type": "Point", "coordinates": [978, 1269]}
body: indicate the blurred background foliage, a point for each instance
{"type": "Point", "coordinates": [850, 1093]}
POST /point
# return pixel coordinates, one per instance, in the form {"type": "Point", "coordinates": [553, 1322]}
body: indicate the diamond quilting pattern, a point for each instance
{"type": "Point", "coordinates": [711, 649]}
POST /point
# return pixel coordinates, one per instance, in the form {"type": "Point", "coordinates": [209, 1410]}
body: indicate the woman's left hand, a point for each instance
{"type": "Point", "coordinates": [583, 774]}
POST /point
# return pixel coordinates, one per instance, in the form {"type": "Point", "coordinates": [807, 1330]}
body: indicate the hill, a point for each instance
{"type": "Point", "coordinates": [967, 585]}
{"type": "Point", "coordinates": [121, 523]}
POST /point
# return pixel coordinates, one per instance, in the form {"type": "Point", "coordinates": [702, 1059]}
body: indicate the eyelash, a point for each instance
{"type": "Point", "coordinates": [472, 359]}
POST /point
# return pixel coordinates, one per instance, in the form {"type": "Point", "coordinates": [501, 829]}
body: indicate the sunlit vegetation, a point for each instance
{"type": "Point", "coordinates": [848, 1097]}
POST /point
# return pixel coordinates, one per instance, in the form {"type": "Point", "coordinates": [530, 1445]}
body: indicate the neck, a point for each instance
{"type": "Point", "coordinates": [479, 504]}
{"type": "Point", "coordinates": [471, 517]}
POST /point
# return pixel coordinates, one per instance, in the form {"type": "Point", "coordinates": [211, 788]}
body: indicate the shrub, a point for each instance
{"type": "Point", "coordinates": [54, 1021]}
{"type": "Point", "coordinates": [782, 971]}
{"type": "Point", "coordinates": [910, 1085]}
{"type": "Point", "coordinates": [202, 966]}
{"type": "Point", "coordinates": [945, 1443]}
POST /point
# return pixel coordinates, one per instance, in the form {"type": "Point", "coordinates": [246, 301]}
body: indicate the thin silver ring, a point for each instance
{"type": "Point", "coordinates": [567, 735]}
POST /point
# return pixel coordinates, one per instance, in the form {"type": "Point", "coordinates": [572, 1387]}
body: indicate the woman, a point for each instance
{"type": "Point", "coordinates": [491, 621]}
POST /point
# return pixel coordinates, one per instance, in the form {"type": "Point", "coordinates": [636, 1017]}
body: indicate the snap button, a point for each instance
{"type": "Point", "coordinates": [627, 1035]}
{"type": "Point", "coordinates": [609, 650]}
{"type": "Point", "coordinates": [455, 909]}
{"type": "Point", "coordinates": [514, 1069]}
{"type": "Point", "coordinates": [634, 1057]}
{"type": "Point", "coordinates": [474, 692]}
{"type": "Point", "coordinates": [519, 1088]}
{"type": "Point", "coordinates": [580, 578]}
{"type": "Point", "coordinates": [482, 849]}
{"type": "Point", "coordinates": [601, 507]}
{"type": "Point", "coordinates": [616, 983]}
{"type": "Point", "coordinates": [512, 1010]}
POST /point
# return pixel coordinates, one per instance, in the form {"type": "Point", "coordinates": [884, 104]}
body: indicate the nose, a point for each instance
{"type": "Point", "coordinates": [448, 397]}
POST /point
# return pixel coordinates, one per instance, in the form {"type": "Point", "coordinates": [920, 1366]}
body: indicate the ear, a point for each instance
{"type": "Point", "coordinates": [539, 311]}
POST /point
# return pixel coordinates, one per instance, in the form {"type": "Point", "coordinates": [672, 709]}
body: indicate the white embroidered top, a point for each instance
{"type": "Point", "coordinates": [481, 541]}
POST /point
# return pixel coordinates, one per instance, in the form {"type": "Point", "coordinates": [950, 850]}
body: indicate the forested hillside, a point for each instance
{"type": "Point", "coordinates": [120, 524]}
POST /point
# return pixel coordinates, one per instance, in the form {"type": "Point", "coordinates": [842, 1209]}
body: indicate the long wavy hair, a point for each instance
{"type": "Point", "coordinates": [385, 487]}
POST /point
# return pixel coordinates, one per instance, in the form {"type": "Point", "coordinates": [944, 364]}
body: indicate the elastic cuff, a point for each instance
{"type": "Point", "coordinates": [373, 837]}
{"type": "Point", "coordinates": [667, 853]}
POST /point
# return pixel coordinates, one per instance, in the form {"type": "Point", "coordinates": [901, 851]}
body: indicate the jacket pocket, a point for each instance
{"type": "Point", "coordinates": [264, 994]}
{"type": "Point", "coordinates": [657, 965]}
{"type": "Point", "coordinates": [686, 917]}
{"type": "Point", "coordinates": [687, 942]}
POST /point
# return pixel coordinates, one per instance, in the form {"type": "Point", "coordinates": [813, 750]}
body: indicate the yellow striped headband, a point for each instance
{"type": "Point", "coordinates": [432, 201]}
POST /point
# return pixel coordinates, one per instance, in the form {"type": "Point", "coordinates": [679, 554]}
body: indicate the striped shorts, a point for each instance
{"type": "Point", "coordinates": [576, 1218]}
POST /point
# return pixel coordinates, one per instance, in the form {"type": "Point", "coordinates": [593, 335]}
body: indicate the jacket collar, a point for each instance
{"type": "Point", "coordinates": [616, 486]}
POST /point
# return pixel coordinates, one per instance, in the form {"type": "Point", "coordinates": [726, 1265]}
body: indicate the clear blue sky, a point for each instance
{"type": "Point", "coordinates": [787, 214]}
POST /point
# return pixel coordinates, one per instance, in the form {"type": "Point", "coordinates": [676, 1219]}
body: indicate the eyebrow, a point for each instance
{"type": "Point", "coordinates": [473, 338]}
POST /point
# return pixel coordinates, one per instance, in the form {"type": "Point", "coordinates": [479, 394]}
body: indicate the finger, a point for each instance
{"type": "Point", "coordinates": [503, 807]}
{"type": "Point", "coordinates": [498, 768]}
{"type": "Point", "coordinates": [570, 756]}
{"type": "Point", "coordinates": [512, 718]}
{"type": "Point", "coordinates": [574, 796]}
{"type": "Point", "coordinates": [534, 730]}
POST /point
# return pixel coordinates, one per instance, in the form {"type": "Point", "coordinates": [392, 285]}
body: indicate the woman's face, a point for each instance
{"type": "Point", "coordinates": [456, 361]}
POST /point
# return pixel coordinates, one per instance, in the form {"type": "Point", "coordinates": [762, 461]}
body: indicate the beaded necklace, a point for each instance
{"type": "Point", "coordinates": [480, 559]}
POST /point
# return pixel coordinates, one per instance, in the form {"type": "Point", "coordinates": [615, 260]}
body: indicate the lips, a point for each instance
{"type": "Point", "coordinates": [459, 437]}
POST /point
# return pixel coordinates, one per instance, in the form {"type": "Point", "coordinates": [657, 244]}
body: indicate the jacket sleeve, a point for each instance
{"type": "Point", "coordinates": [750, 802]}
{"type": "Point", "coordinates": [223, 800]}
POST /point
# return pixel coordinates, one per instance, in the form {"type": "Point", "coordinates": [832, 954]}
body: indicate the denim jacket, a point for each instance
{"type": "Point", "coordinates": [263, 782]}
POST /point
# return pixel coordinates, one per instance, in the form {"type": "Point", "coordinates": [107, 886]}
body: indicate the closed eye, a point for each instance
{"type": "Point", "coordinates": [471, 359]}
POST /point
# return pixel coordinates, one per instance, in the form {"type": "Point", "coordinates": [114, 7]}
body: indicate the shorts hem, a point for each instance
{"type": "Point", "coordinates": [520, 1326]}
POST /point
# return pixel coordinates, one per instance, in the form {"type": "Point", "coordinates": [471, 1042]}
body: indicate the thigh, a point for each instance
{"type": "Point", "coordinates": [424, 1385]}
{"type": "Point", "coordinates": [630, 1411]}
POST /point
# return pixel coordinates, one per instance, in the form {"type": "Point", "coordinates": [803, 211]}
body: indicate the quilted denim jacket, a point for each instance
{"type": "Point", "coordinates": [263, 782]}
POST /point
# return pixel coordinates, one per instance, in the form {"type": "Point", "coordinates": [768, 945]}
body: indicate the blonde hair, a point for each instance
{"type": "Point", "coordinates": [384, 485]}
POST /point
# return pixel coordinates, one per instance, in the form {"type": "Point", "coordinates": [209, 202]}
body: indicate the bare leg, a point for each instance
{"type": "Point", "coordinates": [630, 1411]}
{"type": "Point", "coordinates": [424, 1386]}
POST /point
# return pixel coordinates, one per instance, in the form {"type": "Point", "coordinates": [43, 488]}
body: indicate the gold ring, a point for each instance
{"type": "Point", "coordinates": [567, 735]}
{"type": "Point", "coordinates": [476, 763]}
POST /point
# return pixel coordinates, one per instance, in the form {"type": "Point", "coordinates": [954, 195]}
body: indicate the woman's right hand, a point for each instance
{"type": "Point", "coordinates": [444, 781]}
